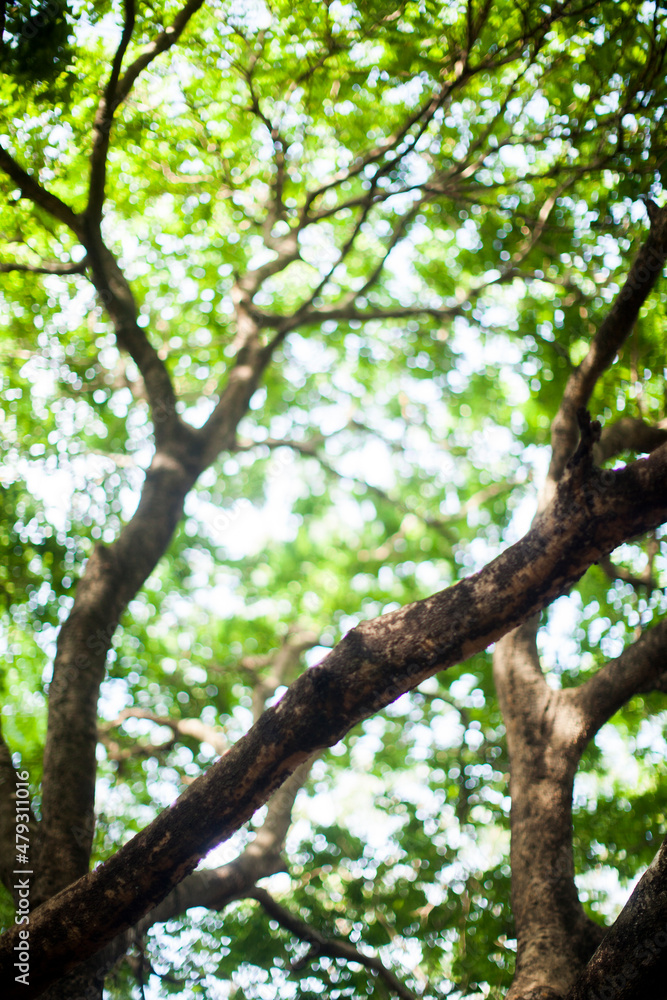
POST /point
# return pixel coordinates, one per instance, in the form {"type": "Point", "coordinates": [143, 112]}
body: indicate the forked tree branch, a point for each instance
{"type": "Point", "coordinates": [554, 938]}
{"type": "Point", "coordinates": [161, 43]}
{"type": "Point", "coordinates": [117, 91]}
{"type": "Point", "coordinates": [591, 513]}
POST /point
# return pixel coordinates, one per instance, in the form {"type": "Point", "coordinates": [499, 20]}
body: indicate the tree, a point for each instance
{"type": "Point", "coordinates": [357, 269]}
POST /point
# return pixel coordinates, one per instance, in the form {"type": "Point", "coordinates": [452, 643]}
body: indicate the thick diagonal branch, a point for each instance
{"type": "Point", "coordinates": [591, 514]}
{"type": "Point", "coordinates": [213, 888]}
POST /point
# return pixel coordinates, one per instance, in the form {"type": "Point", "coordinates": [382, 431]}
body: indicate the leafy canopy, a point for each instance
{"type": "Point", "coordinates": [439, 203]}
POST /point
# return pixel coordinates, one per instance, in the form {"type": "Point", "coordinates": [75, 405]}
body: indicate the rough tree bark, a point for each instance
{"type": "Point", "coordinates": [547, 730]}
{"type": "Point", "coordinates": [591, 513]}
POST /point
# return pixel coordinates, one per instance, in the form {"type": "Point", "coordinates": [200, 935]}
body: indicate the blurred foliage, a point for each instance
{"type": "Point", "coordinates": [420, 440]}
